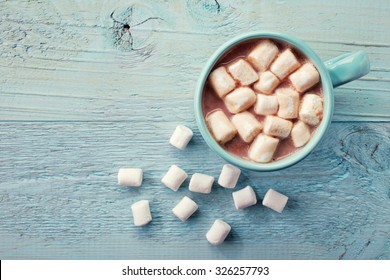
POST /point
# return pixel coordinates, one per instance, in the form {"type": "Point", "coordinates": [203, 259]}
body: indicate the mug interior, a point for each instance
{"type": "Point", "coordinates": [296, 156]}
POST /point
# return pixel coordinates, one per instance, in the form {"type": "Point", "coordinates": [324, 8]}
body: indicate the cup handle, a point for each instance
{"type": "Point", "coordinates": [348, 67]}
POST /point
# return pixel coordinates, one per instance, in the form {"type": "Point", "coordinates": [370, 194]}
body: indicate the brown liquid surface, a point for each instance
{"type": "Point", "coordinates": [211, 102]}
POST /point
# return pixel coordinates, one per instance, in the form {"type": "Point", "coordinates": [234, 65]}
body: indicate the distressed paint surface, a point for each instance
{"type": "Point", "coordinates": [87, 87]}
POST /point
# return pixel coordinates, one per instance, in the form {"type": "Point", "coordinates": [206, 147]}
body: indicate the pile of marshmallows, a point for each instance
{"type": "Point", "coordinates": [200, 183]}
{"type": "Point", "coordinates": [280, 106]}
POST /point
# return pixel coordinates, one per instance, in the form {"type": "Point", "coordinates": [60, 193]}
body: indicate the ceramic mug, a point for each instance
{"type": "Point", "coordinates": [333, 73]}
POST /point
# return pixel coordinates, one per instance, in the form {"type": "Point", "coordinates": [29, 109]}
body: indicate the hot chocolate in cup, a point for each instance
{"type": "Point", "coordinates": [232, 58]}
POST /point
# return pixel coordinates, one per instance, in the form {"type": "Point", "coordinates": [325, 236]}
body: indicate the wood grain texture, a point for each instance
{"type": "Point", "coordinates": [81, 96]}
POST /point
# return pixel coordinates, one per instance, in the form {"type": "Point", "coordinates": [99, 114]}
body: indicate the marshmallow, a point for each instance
{"type": "Point", "coordinates": [244, 198]}
{"type": "Point", "coordinates": [174, 177]}
{"type": "Point", "coordinates": [267, 83]}
{"type": "Point", "coordinates": [243, 72]}
{"type": "Point", "coordinates": [263, 148]}
{"type": "Point", "coordinates": [263, 54]}
{"type": "Point", "coordinates": [284, 64]}
{"type": "Point", "coordinates": [278, 127]}
{"type": "Point", "coordinates": [180, 137]}
{"type": "Point", "coordinates": [229, 176]}
{"type": "Point", "coordinates": [218, 232]}
{"type": "Point", "coordinates": [300, 134]}
{"type": "Point", "coordinates": [247, 126]}
{"type": "Point", "coordinates": [240, 99]}
{"type": "Point", "coordinates": [185, 208]}
{"type": "Point", "coordinates": [275, 200]}
{"type": "Point", "coordinates": [311, 109]}
{"type": "Point", "coordinates": [266, 105]}
{"type": "Point", "coordinates": [288, 103]}
{"type": "Point", "coordinates": [220, 126]}
{"type": "Point", "coordinates": [305, 77]}
{"type": "Point", "coordinates": [141, 213]}
{"type": "Point", "coordinates": [221, 81]}
{"type": "Point", "coordinates": [201, 183]}
{"type": "Point", "coordinates": [131, 177]}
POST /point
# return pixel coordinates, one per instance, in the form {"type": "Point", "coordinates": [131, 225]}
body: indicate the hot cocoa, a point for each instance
{"type": "Point", "coordinates": [263, 100]}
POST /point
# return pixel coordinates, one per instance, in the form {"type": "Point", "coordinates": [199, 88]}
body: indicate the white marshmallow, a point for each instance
{"type": "Point", "coordinates": [267, 83]}
{"type": "Point", "coordinates": [180, 137]}
{"type": "Point", "coordinates": [131, 177]}
{"type": "Point", "coordinates": [221, 81]}
{"type": "Point", "coordinates": [275, 200]}
{"type": "Point", "coordinates": [141, 212]}
{"type": "Point", "coordinates": [185, 208]}
{"type": "Point", "coordinates": [243, 72]}
{"type": "Point", "coordinates": [288, 103]}
{"type": "Point", "coordinates": [218, 232]}
{"type": "Point", "coordinates": [284, 64]}
{"type": "Point", "coordinates": [278, 127]}
{"type": "Point", "coordinates": [229, 176]}
{"type": "Point", "coordinates": [263, 54]}
{"type": "Point", "coordinates": [305, 77]}
{"type": "Point", "coordinates": [266, 105]}
{"type": "Point", "coordinates": [263, 148]}
{"type": "Point", "coordinates": [201, 183]}
{"type": "Point", "coordinates": [247, 126]}
{"type": "Point", "coordinates": [220, 127]}
{"type": "Point", "coordinates": [174, 177]}
{"type": "Point", "coordinates": [311, 109]}
{"type": "Point", "coordinates": [240, 99]}
{"type": "Point", "coordinates": [300, 134]}
{"type": "Point", "coordinates": [244, 198]}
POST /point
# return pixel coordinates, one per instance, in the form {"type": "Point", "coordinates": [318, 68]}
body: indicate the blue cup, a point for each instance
{"type": "Point", "coordinates": [333, 73]}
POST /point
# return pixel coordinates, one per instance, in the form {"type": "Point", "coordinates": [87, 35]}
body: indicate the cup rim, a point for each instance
{"type": "Point", "coordinates": [303, 152]}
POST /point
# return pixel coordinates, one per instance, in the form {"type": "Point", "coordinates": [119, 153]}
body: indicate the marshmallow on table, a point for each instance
{"type": "Point", "coordinates": [141, 212]}
{"type": "Point", "coordinates": [263, 148]}
{"type": "Point", "coordinates": [244, 198]}
{"type": "Point", "coordinates": [311, 109]}
{"type": "Point", "coordinates": [240, 99]}
{"type": "Point", "coordinates": [305, 77]}
{"type": "Point", "coordinates": [185, 208]}
{"type": "Point", "coordinates": [221, 82]}
{"type": "Point", "coordinates": [266, 105]}
{"type": "Point", "coordinates": [288, 103]}
{"type": "Point", "coordinates": [267, 83]}
{"type": "Point", "coordinates": [300, 134]}
{"type": "Point", "coordinates": [220, 126]}
{"type": "Point", "coordinates": [284, 64]}
{"type": "Point", "coordinates": [218, 232]}
{"type": "Point", "coordinates": [229, 176]}
{"type": "Point", "coordinates": [243, 72]}
{"type": "Point", "coordinates": [263, 54]}
{"type": "Point", "coordinates": [201, 183]}
{"type": "Point", "coordinates": [278, 127]}
{"type": "Point", "coordinates": [180, 137]}
{"type": "Point", "coordinates": [174, 177]}
{"type": "Point", "coordinates": [247, 126]}
{"type": "Point", "coordinates": [131, 177]}
{"type": "Point", "coordinates": [275, 200]}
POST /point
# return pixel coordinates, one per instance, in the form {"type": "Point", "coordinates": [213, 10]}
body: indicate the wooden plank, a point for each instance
{"type": "Point", "coordinates": [85, 77]}
{"type": "Point", "coordinates": [63, 202]}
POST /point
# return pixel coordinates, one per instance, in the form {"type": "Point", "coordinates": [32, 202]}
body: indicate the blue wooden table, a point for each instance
{"type": "Point", "coordinates": [87, 87]}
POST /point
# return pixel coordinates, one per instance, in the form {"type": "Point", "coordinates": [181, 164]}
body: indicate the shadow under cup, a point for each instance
{"type": "Point", "coordinates": [332, 73]}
